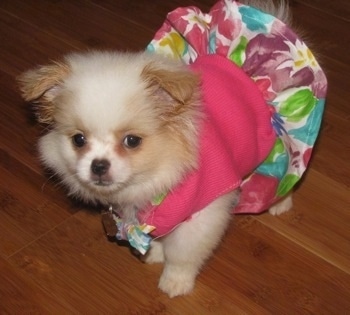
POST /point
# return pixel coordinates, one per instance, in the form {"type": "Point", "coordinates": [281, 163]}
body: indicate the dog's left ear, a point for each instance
{"type": "Point", "coordinates": [41, 85]}
{"type": "Point", "coordinates": [176, 83]}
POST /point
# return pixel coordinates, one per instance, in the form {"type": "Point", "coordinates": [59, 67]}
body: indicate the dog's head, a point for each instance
{"type": "Point", "coordinates": [122, 126]}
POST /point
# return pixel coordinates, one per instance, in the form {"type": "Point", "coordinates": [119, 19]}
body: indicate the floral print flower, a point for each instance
{"type": "Point", "coordinates": [265, 86]}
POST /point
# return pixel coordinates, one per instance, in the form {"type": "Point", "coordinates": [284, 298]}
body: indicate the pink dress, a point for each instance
{"type": "Point", "coordinates": [264, 95]}
{"type": "Point", "coordinates": [235, 138]}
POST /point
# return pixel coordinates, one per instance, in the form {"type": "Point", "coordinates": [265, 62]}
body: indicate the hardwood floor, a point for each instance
{"type": "Point", "coordinates": [54, 256]}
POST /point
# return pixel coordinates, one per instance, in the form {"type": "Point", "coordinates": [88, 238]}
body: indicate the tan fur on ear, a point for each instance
{"type": "Point", "coordinates": [180, 83]}
{"type": "Point", "coordinates": [177, 100]}
{"type": "Point", "coordinates": [38, 86]}
{"type": "Point", "coordinates": [34, 83]}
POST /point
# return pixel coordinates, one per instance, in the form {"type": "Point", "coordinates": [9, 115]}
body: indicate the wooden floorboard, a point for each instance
{"type": "Point", "coordinates": [54, 257]}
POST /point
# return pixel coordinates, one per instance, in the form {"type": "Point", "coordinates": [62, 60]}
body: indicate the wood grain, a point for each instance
{"type": "Point", "coordinates": [54, 256]}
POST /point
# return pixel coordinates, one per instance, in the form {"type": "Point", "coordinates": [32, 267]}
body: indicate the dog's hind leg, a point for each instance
{"type": "Point", "coordinates": [282, 206]}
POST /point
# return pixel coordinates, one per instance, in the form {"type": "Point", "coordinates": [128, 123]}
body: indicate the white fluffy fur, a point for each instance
{"type": "Point", "coordinates": [107, 96]}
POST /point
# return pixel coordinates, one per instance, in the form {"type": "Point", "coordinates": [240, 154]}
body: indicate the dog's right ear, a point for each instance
{"type": "Point", "coordinates": [41, 85]}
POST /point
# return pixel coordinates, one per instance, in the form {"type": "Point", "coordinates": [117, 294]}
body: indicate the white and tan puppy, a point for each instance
{"type": "Point", "coordinates": [124, 128]}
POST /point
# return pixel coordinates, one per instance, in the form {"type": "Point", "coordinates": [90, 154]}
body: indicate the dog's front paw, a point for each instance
{"type": "Point", "coordinates": [176, 281]}
{"type": "Point", "coordinates": [155, 254]}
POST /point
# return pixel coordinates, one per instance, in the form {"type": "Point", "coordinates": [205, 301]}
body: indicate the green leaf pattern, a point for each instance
{"type": "Point", "coordinates": [298, 106]}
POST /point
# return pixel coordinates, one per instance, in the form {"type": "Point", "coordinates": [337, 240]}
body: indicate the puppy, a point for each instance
{"type": "Point", "coordinates": [126, 130]}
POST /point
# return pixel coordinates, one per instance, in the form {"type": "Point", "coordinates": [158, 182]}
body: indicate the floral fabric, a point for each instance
{"type": "Point", "coordinates": [282, 67]}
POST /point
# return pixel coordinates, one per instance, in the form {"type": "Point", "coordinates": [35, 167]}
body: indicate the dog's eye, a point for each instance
{"type": "Point", "coordinates": [79, 140]}
{"type": "Point", "coordinates": [131, 141]}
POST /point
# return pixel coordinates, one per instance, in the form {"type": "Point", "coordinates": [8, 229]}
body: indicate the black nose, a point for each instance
{"type": "Point", "coordinates": [100, 167]}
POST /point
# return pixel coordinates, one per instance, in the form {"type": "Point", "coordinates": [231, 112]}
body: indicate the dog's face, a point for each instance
{"type": "Point", "coordinates": [123, 127]}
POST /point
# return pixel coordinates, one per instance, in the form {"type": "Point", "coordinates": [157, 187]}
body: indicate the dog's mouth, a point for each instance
{"type": "Point", "coordinates": [103, 183]}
